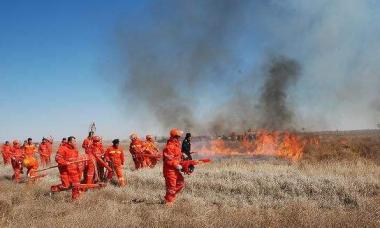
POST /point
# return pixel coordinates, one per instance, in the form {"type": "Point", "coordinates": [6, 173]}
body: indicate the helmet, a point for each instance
{"type": "Point", "coordinates": [96, 139]}
{"type": "Point", "coordinates": [175, 132]}
{"type": "Point", "coordinates": [133, 136]}
{"type": "Point", "coordinates": [16, 142]}
{"type": "Point", "coordinates": [149, 137]}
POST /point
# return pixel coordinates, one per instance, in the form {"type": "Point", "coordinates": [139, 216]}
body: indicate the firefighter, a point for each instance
{"type": "Point", "coordinates": [174, 180]}
{"type": "Point", "coordinates": [136, 149]}
{"type": "Point", "coordinates": [88, 141]}
{"type": "Point", "coordinates": [30, 162]}
{"type": "Point", "coordinates": [63, 141]}
{"type": "Point", "coordinates": [29, 148]}
{"type": "Point", "coordinates": [6, 152]}
{"type": "Point", "coordinates": [151, 150]}
{"type": "Point", "coordinates": [97, 149]}
{"type": "Point", "coordinates": [50, 148]}
{"type": "Point", "coordinates": [43, 149]}
{"type": "Point", "coordinates": [17, 157]}
{"type": "Point", "coordinates": [115, 157]}
{"type": "Point", "coordinates": [69, 172]}
{"type": "Point", "coordinates": [94, 168]}
{"type": "Point", "coordinates": [186, 147]}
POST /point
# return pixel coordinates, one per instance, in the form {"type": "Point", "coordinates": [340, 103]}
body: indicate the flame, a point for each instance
{"type": "Point", "coordinates": [278, 144]}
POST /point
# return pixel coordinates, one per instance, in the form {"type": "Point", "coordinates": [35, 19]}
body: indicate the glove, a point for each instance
{"type": "Point", "coordinates": [179, 167]}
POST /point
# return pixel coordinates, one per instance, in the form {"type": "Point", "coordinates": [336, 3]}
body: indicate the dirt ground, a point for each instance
{"type": "Point", "coordinates": [335, 185]}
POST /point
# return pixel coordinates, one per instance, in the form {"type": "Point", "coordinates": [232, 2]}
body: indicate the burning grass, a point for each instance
{"type": "Point", "coordinates": [285, 145]}
{"type": "Point", "coordinates": [316, 191]}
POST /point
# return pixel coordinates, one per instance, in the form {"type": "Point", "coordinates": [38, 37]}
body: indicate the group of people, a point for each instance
{"type": "Point", "coordinates": [20, 156]}
{"type": "Point", "coordinates": [98, 165]}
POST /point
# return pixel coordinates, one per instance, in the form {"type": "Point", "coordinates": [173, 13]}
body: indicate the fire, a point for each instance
{"type": "Point", "coordinates": [278, 144]}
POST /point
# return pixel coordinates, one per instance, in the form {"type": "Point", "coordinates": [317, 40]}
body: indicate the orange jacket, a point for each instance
{"type": "Point", "coordinates": [86, 144]}
{"type": "Point", "coordinates": [116, 155]}
{"type": "Point", "coordinates": [66, 153]}
{"type": "Point", "coordinates": [50, 146]}
{"type": "Point", "coordinates": [6, 149]}
{"type": "Point", "coordinates": [29, 150]}
{"type": "Point", "coordinates": [43, 149]}
{"type": "Point", "coordinates": [172, 153]}
{"type": "Point", "coordinates": [17, 153]}
{"type": "Point", "coordinates": [96, 149]}
{"type": "Point", "coordinates": [150, 147]}
{"type": "Point", "coordinates": [136, 147]}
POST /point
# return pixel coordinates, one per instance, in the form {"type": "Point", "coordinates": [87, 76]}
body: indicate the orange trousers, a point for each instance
{"type": "Point", "coordinates": [89, 171]}
{"type": "Point", "coordinates": [17, 170]}
{"type": "Point", "coordinates": [69, 176]}
{"type": "Point", "coordinates": [45, 160]}
{"type": "Point", "coordinates": [6, 159]}
{"type": "Point", "coordinates": [174, 182]}
{"type": "Point", "coordinates": [118, 170]}
{"type": "Point", "coordinates": [139, 161]}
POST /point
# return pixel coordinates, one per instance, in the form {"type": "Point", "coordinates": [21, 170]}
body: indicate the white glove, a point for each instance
{"type": "Point", "coordinates": [179, 167]}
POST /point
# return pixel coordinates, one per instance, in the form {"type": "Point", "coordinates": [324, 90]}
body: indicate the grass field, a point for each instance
{"type": "Point", "coordinates": [335, 185]}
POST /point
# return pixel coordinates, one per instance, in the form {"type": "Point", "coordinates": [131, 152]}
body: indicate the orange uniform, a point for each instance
{"type": "Point", "coordinates": [44, 151]}
{"type": "Point", "coordinates": [17, 156]}
{"type": "Point", "coordinates": [136, 149]}
{"type": "Point", "coordinates": [115, 156]}
{"type": "Point", "coordinates": [150, 148]}
{"type": "Point", "coordinates": [30, 162]}
{"type": "Point", "coordinates": [6, 152]}
{"type": "Point", "coordinates": [86, 144]}
{"type": "Point", "coordinates": [30, 150]}
{"type": "Point", "coordinates": [69, 172]}
{"type": "Point", "coordinates": [94, 152]}
{"type": "Point", "coordinates": [173, 178]}
{"type": "Point", "coordinates": [50, 149]}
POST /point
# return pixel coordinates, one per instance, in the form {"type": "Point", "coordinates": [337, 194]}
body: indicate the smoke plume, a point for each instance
{"type": "Point", "coordinates": [198, 65]}
{"type": "Point", "coordinates": [276, 114]}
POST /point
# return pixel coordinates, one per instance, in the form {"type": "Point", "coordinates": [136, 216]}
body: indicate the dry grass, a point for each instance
{"type": "Point", "coordinates": [226, 193]}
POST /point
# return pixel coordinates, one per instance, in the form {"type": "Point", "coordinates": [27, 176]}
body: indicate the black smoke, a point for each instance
{"type": "Point", "coordinates": [280, 75]}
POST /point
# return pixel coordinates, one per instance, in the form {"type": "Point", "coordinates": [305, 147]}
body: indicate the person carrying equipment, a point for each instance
{"type": "Point", "coordinates": [151, 156]}
{"type": "Point", "coordinates": [115, 157]}
{"type": "Point", "coordinates": [136, 149]}
{"type": "Point", "coordinates": [172, 155]}
{"type": "Point", "coordinates": [68, 169]}
{"type": "Point", "coordinates": [17, 156]}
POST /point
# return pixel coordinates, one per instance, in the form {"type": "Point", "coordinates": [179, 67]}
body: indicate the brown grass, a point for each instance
{"type": "Point", "coordinates": [317, 191]}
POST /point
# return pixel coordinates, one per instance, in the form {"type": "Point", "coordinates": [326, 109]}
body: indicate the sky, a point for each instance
{"type": "Point", "coordinates": [57, 72]}
{"type": "Point", "coordinates": [50, 59]}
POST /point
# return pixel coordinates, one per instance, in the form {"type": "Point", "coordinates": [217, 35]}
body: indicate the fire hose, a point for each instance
{"type": "Point", "coordinates": [56, 166]}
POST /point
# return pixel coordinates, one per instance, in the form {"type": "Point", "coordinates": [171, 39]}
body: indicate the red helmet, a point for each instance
{"type": "Point", "coordinates": [96, 139]}
{"type": "Point", "coordinates": [175, 132]}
